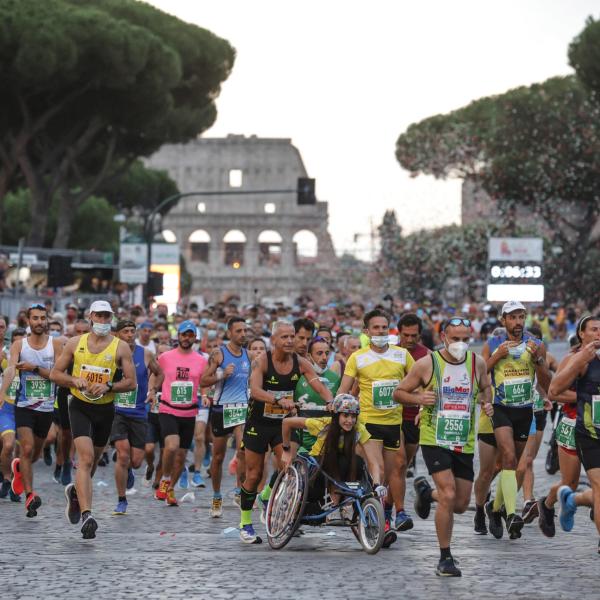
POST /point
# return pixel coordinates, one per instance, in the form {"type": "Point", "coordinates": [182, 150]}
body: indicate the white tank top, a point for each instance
{"type": "Point", "coordinates": [36, 392]}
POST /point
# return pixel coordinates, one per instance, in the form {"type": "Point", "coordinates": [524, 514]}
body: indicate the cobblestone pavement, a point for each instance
{"type": "Point", "coordinates": [167, 552]}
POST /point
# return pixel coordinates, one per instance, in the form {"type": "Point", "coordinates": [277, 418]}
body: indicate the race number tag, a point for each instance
{"type": "Point", "coordinates": [93, 374]}
{"type": "Point", "coordinates": [154, 408]}
{"type": "Point", "coordinates": [565, 433]}
{"type": "Point", "coordinates": [382, 394]}
{"type": "Point", "coordinates": [38, 388]}
{"type": "Point", "coordinates": [517, 391]}
{"type": "Point", "coordinates": [181, 392]}
{"type": "Point", "coordinates": [538, 402]}
{"type": "Point", "coordinates": [596, 411]}
{"type": "Point", "coordinates": [234, 415]}
{"type": "Point", "coordinates": [11, 392]}
{"type": "Point", "coordinates": [126, 399]}
{"type": "Point", "coordinates": [272, 411]}
{"type": "Point", "coordinates": [452, 428]}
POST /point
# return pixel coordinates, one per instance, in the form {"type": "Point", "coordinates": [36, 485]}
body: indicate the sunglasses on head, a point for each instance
{"type": "Point", "coordinates": [37, 305]}
{"type": "Point", "coordinates": [456, 321]}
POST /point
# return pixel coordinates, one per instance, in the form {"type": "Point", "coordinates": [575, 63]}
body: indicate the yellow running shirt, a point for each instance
{"type": "Point", "coordinates": [377, 376]}
{"type": "Point", "coordinates": [318, 428]}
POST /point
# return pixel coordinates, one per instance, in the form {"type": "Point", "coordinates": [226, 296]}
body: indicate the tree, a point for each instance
{"type": "Point", "coordinates": [535, 150]}
{"type": "Point", "coordinates": [390, 237]}
{"type": "Point", "coordinates": [90, 85]}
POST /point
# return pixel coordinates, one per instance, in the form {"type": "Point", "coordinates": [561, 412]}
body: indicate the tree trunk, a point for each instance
{"type": "Point", "coordinates": [66, 214]}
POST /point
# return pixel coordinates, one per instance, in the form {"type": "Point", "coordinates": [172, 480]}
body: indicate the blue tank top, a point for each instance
{"type": "Point", "coordinates": [234, 389]}
{"type": "Point", "coordinates": [133, 404]}
{"type": "Point", "coordinates": [588, 388]}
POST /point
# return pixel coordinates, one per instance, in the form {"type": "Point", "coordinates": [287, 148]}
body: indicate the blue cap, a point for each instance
{"type": "Point", "coordinates": [145, 325]}
{"type": "Point", "coordinates": [187, 326]}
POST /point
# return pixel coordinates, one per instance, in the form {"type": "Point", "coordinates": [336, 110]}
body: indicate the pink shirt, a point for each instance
{"type": "Point", "coordinates": [182, 378]}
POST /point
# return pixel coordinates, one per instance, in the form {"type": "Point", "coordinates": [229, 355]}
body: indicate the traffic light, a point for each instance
{"type": "Point", "coordinates": [155, 285]}
{"type": "Point", "coordinates": [306, 191]}
{"type": "Point", "coordinates": [60, 272]}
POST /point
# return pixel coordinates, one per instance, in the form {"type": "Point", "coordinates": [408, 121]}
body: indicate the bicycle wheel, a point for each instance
{"type": "Point", "coordinates": [286, 504]}
{"type": "Point", "coordinates": [370, 532]}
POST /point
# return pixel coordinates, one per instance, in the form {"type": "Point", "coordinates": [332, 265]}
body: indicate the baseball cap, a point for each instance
{"type": "Point", "coordinates": [145, 325]}
{"type": "Point", "coordinates": [511, 306]}
{"type": "Point", "coordinates": [187, 326]}
{"type": "Point", "coordinates": [101, 306]}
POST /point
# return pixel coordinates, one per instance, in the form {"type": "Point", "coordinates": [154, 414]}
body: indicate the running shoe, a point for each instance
{"type": "Point", "coordinates": [65, 476]}
{"type": "Point", "coordinates": [161, 492]}
{"type": "Point", "coordinates": [32, 503]}
{"type": "Point", "coordinates": [546, 518]}
{"type": "Point", "coordinates": [103, 460]}
{"type": "Point", "coordinates": [216, 509]}
{"type": "Point", "coordinates": [148, 475]}
{"type": "Point", "coordinates": [568, 508]}
{"type": "Point", "coordinates": [4, 488]}
{"type": "Point", "coordinates": [263, 509]}
{"type": "Point", "coordinates": [14, 497]}
{"type": "Point", "coordinates": [183, 480]}
{"type": "Point", "coordinates": [390, 535]}
{"type": "Point", "coordinates": [197, 480]}
{"type": "Point", "coordinates": [248, 535]}
{"type": "Point", "coordinates": [88, 529]}
{"type": "Point", "coordinates": [479, 525]}
{"type": "Point", "coordinates": [237, 497]}
{"type": "Point", "coordinates": [530, 511]}
{"type": "Point", "coordinates": [130, 478]}
{"type": "Point", "coordinates": [73, 510]}
{"type": "Point", "coordinates": [121, 508]}
{"type": "Point", "coordinates": [171, 499]}
{"type": "Point", "coordinates": [47, 456]}
{"type": "Point", "coordinates": [403, 521]}
{"type": "Point", "coordinates": [56, 474]}
{"type": "Point", "coordinates": [514, 524]}
{"type": "Point", "coordinates": [494, 520]}
{"type": "Point", "coordinates": [422, 497]}
{"type": "Point", "coordinates": [17, 481]}
{"type": "Point", "coordinates": [447, 568]}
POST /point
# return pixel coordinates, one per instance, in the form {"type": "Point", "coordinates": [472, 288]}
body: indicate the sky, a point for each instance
{"type": "Point", "coordinates": [343, 79]}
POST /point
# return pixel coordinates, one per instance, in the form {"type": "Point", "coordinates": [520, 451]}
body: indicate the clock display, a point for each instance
{"type": "Point", "coordinates": [516, 272]}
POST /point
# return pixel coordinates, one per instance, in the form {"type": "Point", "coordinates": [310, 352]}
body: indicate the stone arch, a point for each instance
{"type": "Point", "coordinates": [169, 236]}
{"type": "Point", "coordinates": [199, 241]}
{"type": "Point", "coordinates": [306, 247]}
{"type": "Point", "coordinates": [234, 242]}
{"type": "Point", "coordinates": [269, 248]}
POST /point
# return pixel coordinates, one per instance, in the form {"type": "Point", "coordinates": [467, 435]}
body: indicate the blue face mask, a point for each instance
{"type": "Point", "coordinates": [54, 334]}
{"type": "Point", "coordinates": [203, 322]}
{"type": "Point", "coordinates": [101, 329]}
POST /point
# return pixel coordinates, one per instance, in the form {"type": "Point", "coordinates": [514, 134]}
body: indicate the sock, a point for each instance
{"type": "Point", "coordinates": [246, 499]}
{"type": "Point", "coordinates": [508, 479]}
{"type": "Point", "coordinates": [266, 493]}
{"type": "Point", "coordinates": [122, 499]}
{"type": "Point", "coordinates": [245, 518]}
{"type": "Point", "coordinates": [445, 553]}
{"type": "Point", "coordinates": [387, 511]}
{"type": "Point", "coordinates": [479, 509]}
{"type": "Point", "coordinates": [217, 495]}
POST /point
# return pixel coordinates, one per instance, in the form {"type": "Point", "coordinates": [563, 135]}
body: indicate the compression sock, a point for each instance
{"type": "Point", "coordinates": [508, 479]}
{"type": "Point", "coordinates": [499, 499]}
{"type": "Point", "coordinates": [246, 503]}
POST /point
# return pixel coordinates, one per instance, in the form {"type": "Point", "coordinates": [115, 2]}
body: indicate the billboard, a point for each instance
{"type": "Point", "coordinates": [516, 249]}
{"type": "Point", "coordinates": [133, 262]}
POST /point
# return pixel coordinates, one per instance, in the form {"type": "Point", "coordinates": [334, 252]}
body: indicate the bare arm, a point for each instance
{"type": "Point", "coordinates": [156, 376]}
{"type": "Point", "coordinates": [568, 396]}
{"type": "Point", "coordinates": [406, 391]}
{"type": "Point", "coordinates": [346, 385]}
{"type": "Point", "coordinates": [288, 424]}
{"type": "Point", "coordinates": [259, 368]}
{"type": "Point", "coordinates": [11, 370]}
{"type": "Point", "coordinates": [541, 370]}
{"type": "Point", "coordinates": [576, 366]}
{"type": "Point", "coordinates": [485, 386]}
{"type": "Point", "coordinates": [491, 359]}
{"type": "Point", "coordinates": [129, 380]}
{"type": "Point", "coordinates": [209, 377]}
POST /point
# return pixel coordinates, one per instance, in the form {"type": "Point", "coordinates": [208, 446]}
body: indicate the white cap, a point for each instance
{"type": "Point", "coordinates": [100, 306]}
{"type": "Point", "coordinates": [511, 306]}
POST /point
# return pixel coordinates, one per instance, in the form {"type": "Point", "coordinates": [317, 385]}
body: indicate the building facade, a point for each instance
{"type": "Point", "coordinates": [253, 245]}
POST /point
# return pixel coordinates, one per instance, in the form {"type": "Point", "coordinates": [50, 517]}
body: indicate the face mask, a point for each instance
{"type": "Point", "coordinates": [458, 350]}
{"type": "Point", "coordinates": [203, 322]}
{"type": "Point", "coordinates": [212, 334]}
{"type": "Point", "coordinates": [101, 329]}
{"type": "Point", "coordinates": [319, 370]}
{"type": "Point", "coordinates": [381, 341]}
{"type": "Point", "coordinates": [54, 334]}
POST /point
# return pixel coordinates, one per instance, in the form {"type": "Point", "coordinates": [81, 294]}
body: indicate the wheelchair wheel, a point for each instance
{"type": "Point", "coordinates": [371, 533]}
{"type": "Point", "coordinates": [286, 504]}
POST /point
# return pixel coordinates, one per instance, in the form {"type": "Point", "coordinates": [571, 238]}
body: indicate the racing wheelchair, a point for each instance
{"type": "Point", "coordinates": [291, 504]}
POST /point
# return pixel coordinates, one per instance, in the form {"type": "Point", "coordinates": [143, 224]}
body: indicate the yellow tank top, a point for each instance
{"type": "Point", "coordinates": [96, 368]}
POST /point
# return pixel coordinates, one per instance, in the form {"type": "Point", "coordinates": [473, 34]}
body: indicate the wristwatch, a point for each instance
{"type": "Point", "coordinates": [539, 360]}
{"type": "Point", "coordinates": [35, 370]}
{"type": "Point", "coordinates": [109, 385]}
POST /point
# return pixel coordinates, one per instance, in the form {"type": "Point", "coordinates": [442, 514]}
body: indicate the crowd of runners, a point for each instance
{"type": "Point", "coordinates": [349, 385]}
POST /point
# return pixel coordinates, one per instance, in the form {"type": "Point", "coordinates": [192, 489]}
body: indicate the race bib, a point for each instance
{"type": "Point", "coordinates": [126, 399]}
{"type": "Point", "coordinates": [11, 392]}
{"type": "Point", "coordinates": [234, 415]}
{"type": "Point", "coordinates": [154, 408]}
{"type": "Point", "coordinates": [382, 394]}
{"type": "Point", "coordinates": [272, 411]}
{"type": "Point", "coordinates": [565, 433]}
{"type": "Point", "coordinates": [596, 411]}
{"type": "Point", "coordinates": [181, 392]}
{"type": "Point", "coordinates": [538, 402]}
{"type": "Point", "coordinates": [93, 374]}
{"type": "Point", "coordinates": [38, 388]}
{"type": "Point", "coordinates": [452, 428]}
{"type": "Point", "coordinates": [517, 391]}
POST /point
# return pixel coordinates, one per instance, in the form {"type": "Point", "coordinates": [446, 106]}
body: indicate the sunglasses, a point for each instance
{"type": "Point", "coordinates": [456, 321]}
{"type": "Point", "coordinates": [37, 305]}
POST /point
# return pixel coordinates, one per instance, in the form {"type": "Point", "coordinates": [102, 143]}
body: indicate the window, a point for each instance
{"type": "Point", "coordinates": [199, 246]}
{"type": "Point", "coordinates": [169, 236]}
{"type": "Point", "coordinates": [235, 243]}
{"type": "Point", "coordinates": [270, 208]}
{"type": "Point", "coordinates": [306, 247]}
{"type": "Point", "coordinates": [201, 207]}
{"type": "Point", "coordinates": [235, 178]}
{"type": "Point", "coordinates": [269, 249]}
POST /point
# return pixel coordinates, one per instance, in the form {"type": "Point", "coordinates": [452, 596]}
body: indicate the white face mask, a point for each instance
{"type": "Point", "coordinates": [381, 341]}
{"type": "Point", "coordinates": [458, 350]}
{"type": "Point", "coordinates": [101, 329]}
{"type": "Point", "coordinates": [319, 370]}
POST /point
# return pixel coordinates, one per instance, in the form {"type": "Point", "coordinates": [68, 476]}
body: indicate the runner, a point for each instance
{"type": "Point", "coordinates": [33, 357]}
{"type": "Point", "coordinates": [453, 379]}
{"type": "Point", "coordinates": [7, 424]}
{"type": "Point", "coordinates": [228, 370]}
{"type": "Point", "coordinates": [182, 368]}
{"type": "Point", "coordinates": [304, 329]}
{"type": "Point", "coordinates": [130, 425]}
{"type": "Point", "coordinates": [583, 370]}
{"type": "Point", "coordinates": [95, 357]}
{"type": "Point", "coordinates": [273, 379]}
{"type": "Point", "coordinates": [144, 332]}
{"type": "Point", "coordinates": [378, 368]}
{"type": "Point", "coordinates": [514, 360]}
